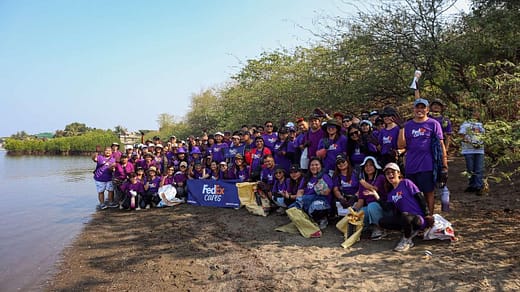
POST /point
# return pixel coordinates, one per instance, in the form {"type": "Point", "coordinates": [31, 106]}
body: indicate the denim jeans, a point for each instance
{"type": "Point", "coordinates": [373, 213]}
{"type": "Point", "coordinates": [311, 203]}
{"type": "Point", "coordinates": [475, 166]}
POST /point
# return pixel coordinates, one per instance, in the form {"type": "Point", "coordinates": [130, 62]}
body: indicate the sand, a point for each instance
{"type": "Point", "coordinates": [189, 248]}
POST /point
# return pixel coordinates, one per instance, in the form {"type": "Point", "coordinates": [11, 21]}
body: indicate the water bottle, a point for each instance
{"type": "Point", "coordinates": [445, 199]}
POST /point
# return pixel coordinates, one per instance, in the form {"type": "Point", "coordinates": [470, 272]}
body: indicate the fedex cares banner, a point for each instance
{"type": "Point", "coordinates": [213, 193]}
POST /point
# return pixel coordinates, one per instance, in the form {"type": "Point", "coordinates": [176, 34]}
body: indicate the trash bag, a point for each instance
{"type": "Point", "coordinates": [307, 227]}
{"type": "Point", "coordinates": [351, 225]}
{"type": "Point", "coordinates": [441, 229]}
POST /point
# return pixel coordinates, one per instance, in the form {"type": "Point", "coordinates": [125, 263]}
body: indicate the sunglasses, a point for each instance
{"type": "Point", "coordinates": [354, 133]}
{"type": "Point", "coordinates": [269, 126]}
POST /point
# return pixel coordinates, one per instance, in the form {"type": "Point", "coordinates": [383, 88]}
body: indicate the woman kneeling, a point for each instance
{"type": "Point", "coordinates": [411, 214]}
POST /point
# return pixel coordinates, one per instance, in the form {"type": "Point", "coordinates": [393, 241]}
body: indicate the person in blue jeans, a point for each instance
{"type": "Point", "coordinates": [472, 132]}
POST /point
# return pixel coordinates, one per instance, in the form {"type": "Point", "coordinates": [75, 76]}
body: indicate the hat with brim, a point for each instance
{"type": "Point", "coordinates": [152, 168]}
{"type": "Point", "coordinates": [195, 150]}
{"type": "Point", "coordinates": [367, 122]}
{"type": "Point", "coordinates": [437, 101]}
{"type": "Point", "coordinates": [219, 134]}
{"type": "Point", "coordinates": [421, 101]}
{"type": "Point", "coordinates": [340, 158]}
{"type": "Point", "coordinates": [376, 165]}
{"type": "Point", "coordinates": [392, 165]}
{"type": "Point", "coordinates": [329, 123]}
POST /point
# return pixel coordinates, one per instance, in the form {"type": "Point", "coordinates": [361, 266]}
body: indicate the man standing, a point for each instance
{"type": "Point", "coordinates": [417, 138]}
{"type": "Point", "coordinates": [105, 165]}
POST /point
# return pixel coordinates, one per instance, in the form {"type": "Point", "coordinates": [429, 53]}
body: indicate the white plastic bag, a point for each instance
{"type": "Point", "coordinates": [441, 229]}
{"type": "Point", "coordinates": [304, 159]}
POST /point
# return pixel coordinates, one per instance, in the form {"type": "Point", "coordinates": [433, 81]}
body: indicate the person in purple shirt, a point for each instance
{"type": "Point", "coordinates": [267, 173]}
{"type": "Point", "coordinates": [225, 172]}
{"type": "Point", "coordinates": [115, 151]}
{"type": "Point", "coordinates": [292, 146]}
{"type": "Point", "coordinates": [279, 192]}
{"type": "Point", "coordinates": [388, 136]}
{"type": "Point", "coordinates": [270, 136]}
{"type": "Point", "coordinates": [412, 213]}
{"type": "Point", "coordinates": [331, 145]}
{"type": "Point", "coordinates": [346, 183]}
{"type": "Point", "coordinates": [197, 171]}
{"type": "Point", "coordinates": [357, 148]}
{"type": "Point", "coordinates": [218, 149]}
{"type": "Point", "coordinates": [313, 136]}
{"type": "Point", "coordinates": [371, 191]}
{"type": "Point", "coordinates": [180, 177]}
{"type": "Point", "coordinates": [280, 150]}
{"type": "Point", "coordinates": [105, 165]}
{"type": "Point", "coordinates": [121, 172]}
{"type": "Point", "coordinates": [240, 168]}
{"type": "Point", "coordinates": [151, 188]}
{"type": "Point", "coordinates": [133, 190]}
{"type": "Point", "coordinates": [314, 194]}
{"type": "Point", "coordinates": [417, 138]}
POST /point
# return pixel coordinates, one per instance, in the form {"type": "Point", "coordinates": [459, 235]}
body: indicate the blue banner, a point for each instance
{"type": "Point", "coordinates": [213, 193]}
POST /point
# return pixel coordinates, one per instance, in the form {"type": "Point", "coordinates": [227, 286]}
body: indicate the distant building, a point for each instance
{"type": "Point", "coordinates": [130, 138]}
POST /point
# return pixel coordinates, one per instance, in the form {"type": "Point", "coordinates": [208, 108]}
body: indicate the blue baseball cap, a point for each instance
{"type": "Point", "coordinates": [421, 101]}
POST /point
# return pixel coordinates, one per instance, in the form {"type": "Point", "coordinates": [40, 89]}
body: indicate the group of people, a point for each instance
{"type": "Point", "coordinates": [311, 164]}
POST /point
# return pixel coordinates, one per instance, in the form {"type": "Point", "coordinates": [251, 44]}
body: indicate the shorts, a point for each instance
{"type": "Point", "coordinates": [423, 180]}
{"type": "Point", "coordinates": [102, 186]}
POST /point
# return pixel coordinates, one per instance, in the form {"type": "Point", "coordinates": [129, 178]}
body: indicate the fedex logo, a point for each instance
{"type": "Point", "coordinates": [387, 139]}
{"type": "Point", "coordinates": [419, 132]}
{"type": "Point", "coordinates": [398, 196]}
{"type": "Point", "coordinates": [212, 193]}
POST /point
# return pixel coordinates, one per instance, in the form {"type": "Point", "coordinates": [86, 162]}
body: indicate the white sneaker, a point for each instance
{"type": "Point", "coordinates": [138, 208]}
{"type": "Point", "coordinates": [148, 206]}
{"type": "Point", "coordinates": [404, 245]}
{"type": "Point", "coordinates": [377, 234]}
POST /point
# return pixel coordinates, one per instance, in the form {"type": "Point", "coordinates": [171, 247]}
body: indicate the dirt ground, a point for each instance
{"type": "Point", "coordinates": [189, 248]}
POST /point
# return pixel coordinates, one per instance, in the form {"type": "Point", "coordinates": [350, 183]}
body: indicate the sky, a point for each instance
{"type": "Point", "coordinates": [110, 63]}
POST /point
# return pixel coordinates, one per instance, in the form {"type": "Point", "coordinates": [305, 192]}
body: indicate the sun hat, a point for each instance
{"type": "Point", "coordinates": [152, 168]}
{"type": "Point", "coordinates": [331, 122]}
{"type": "Point", "coordinates": [219, 133]}
{"type": "Point", "coordinates": [195, 150]}
{"type": "Point", "coordinates": [129, 147]}
{"type": "Point", "coordinates": [184, 163]}
{"type": "Point", "coordinates": [392, 165]}
{"type": "Point", "coordinates": [373, 160]}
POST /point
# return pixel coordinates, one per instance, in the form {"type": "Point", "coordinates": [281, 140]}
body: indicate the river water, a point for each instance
{"type": "Point", "coordinates": [45, 202]}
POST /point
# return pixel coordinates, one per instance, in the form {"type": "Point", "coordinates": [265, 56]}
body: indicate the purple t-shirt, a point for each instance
{"type": "Point", "coordinates": [419, 156]}
{"type": "Point", "coordinates": [314, 139]}
{"type": "Point", "coordinates": [379, 183]}
{"type": "Point", "coordinates": [280, 187]}
{"type": "Point", "coordinates": [334, 148]}
{"type": "Point", "coordinates": [270, 139]}
{"type": "Point", "coordinates": [280, 158]}
{"type": "Point", "coordinates": [309, 187]}
{"type": "Point", "coordinates": [122, 172]}
{"type": "Point", "coordinates": [267, 175]}
{"type": "Point", "coordinates": [445, 124]}
{"type": "Point", "coordinates": [242, 174]}
{"type": "Point", "coordinates": [218, 152]}
{"type": "Point", "coordinates": [153, 184]}
{"type": "Point", "coordinates": [128, 186]}
{"type": "Point", "coordinates": [348, 186]}
{"type": "Point", "coordinates": [388, 139]}
{"type": "Point", "coordinates": [103, 172]}
{"type": "Point", "coordinates": [403, 197]}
